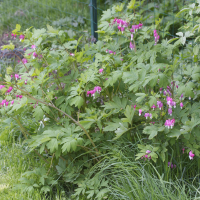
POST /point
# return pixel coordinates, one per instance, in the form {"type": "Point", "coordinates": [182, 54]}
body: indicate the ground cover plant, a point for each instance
{"type": "Point", "coordinates": [16, 159]}
{"type": "Point", "coordinates": [71, 100]}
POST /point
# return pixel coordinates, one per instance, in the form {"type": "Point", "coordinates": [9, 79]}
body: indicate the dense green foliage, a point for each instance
{"type": "Point", "coordinates": [73, 100]}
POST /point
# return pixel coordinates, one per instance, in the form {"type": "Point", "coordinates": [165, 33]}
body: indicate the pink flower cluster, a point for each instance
{"type": "Point", "coordinates": [146, 115]}
{"type": "Point", "coordinates": [6, 103]}
{"type": "Point", "coordinates": [156, 36]}
{"type": "Point", "coordinates": [92, 92]}
{"type": "Point", "coordinates": [19, 96]}
{"type": "Point", "coordinates": [169, 123]}
{"type": "Point", "coordinates": [13, 35]}
{"type": "Point", "coordinates": [121, 24]}
{"type": "Point", "coordinates": [9, 90]}
{"type": "Point", "coordinates": [170, 102]}
{"type": "Point", "coordinates": [110, 52]}
{"type": "Point", "coordinates": [136, 27]}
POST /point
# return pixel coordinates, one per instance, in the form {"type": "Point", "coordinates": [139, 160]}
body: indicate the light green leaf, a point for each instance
{"type": "Point", "coordinates": [78, 101]}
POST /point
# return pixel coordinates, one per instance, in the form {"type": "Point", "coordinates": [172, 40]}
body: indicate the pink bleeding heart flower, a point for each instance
{"type": "Point", "coordinates": [33, 47]}
{"type": "Point", "coordinates": [9, 90]}
{"type": "Point", "coordinates": [131, 46]}
{"type": "Point", "coordinates": [122, 29]}
{"type": "Point", "coordinates": [21, 37]}
{"type": "Point", "coordinates": [7, 103]}
{"type": "Point", "coordinates": [159, 104]}
{"type": "Point", "coordinates": [25, 82]}
{"type": "Point", "coordinates": [169, 123]}
{"type": "Point", "coordinates": [2, 86]}
{"type": "Point", "coordinates": [146, 115]}
{"type": "Point", "coordinates": [24, 61]}
{"type": "Point", "coordinates": [191, 155]}
{"type": "Point", "coordinates": [12, 102]}
{"type": "Point", "coordinates": [153, 106]}
{"type": "Point", "coordinates": [181, 105]}
{"type": "Point", "coordinates": [16, 76]}
{"type": "Point", "coordinates": [100, 71]}
{"type": "Point", "coordinates": [148, 151]}
{"type": "Point", "coordinates": [3, 103]}
{"type": "Point", "coordinates": [111, 52]}
{"type": "Point", "coordinates": [183, 150]}
{"type": "Point", "coordinates": [131, 37]}
{"type": "Point", "coordinates": [134, 107]}
{"type": "Point", "coordinates": [140, 112]}
{"type": "Point", "coordinates": [156, 36]}
{"type": "Point", "coordinates": [170, 111]}
{"type": "Point", "coordinates": [34, 55]}
{"type": "Point", "coordinates": [71, 54]}
{"type": "Point", "coordinates": [20, 96]}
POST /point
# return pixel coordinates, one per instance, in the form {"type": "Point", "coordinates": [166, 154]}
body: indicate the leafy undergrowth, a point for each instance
{"type": "Point", "coordinates": [129, 179]}
{"type": "Point", "coordinates": [15, 159]}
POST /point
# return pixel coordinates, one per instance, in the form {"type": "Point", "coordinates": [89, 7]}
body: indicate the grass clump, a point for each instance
{"type": "Point", "coordinates": [16, 159]}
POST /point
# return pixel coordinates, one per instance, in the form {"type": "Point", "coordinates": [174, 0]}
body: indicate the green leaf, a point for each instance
{"type": "Point", "coordinates": [153, 130]}
{"type": "Point", "coordinates": [131, 4]}
{"type": "Point", "coordinates": [120, 131]}
{"type": "Point", "coordinates": [78, 101]}
{"type": "Point", "coordinates": [141, 96]}
{"type": "Point", "coordinates": [183, 10]}
{"type": "Point", "coordinates": [152, 101]}
{"type": "Point", "coordinates": [9, 47]}
{"type": "Point", "coordinates": [163, 80]}
{"type": "Point", "coordinates": [60, 100]}
{"type": "Point", "coordinates": [129, 113]}
{"type": "Point", "coordinates": [46, 109]}
{"type": "Point", "coordinates": [46, 189]}
{"type": "Point", "coordinates": [52, 145]}
{"type": "Point", "coordinates": [69, 144]}
{"type": "Point", "coordinates": [111, 126]}
{"type": "Point", "coordinates": [170, 41]}
{"type": "Point", "coordinates": [174, 133]}
{"type": "Point", "coordinates": [38, 113]}
{"type": "Point", "coordinates": [119, 8]}
{"type": "Point", "coordinates": [51, 29]}
{"type": "Point", "coordinates": [196, 50]}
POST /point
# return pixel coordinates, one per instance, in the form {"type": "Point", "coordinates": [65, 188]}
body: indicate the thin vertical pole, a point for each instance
{"type": "Point", "coordinates": [93, 17]}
